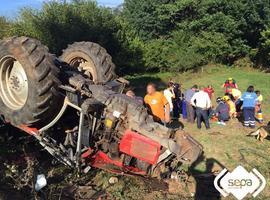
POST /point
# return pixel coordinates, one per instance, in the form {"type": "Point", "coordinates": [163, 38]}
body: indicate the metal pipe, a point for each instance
{"type": "Point", "coordinates": [60, 114]}
{"type": "Point", "coordinates": [53, 122]}
{"type": "Point", "coordinates": [79, 141]}
{"type": "Point", "coordinates": [94, 121]}
{"type": "Point", "coordinates": [73, 106]}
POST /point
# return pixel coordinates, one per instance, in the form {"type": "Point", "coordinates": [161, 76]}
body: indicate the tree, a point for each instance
{"type": "Point", "coordinates": [175, 53]}
{"type": "Point", "coordinates": [145, 16]}
{"type": "Point", "coordinates": [131, 46]}
{"type": "Point", "coordinates": [212, 46]}
{"type": "Point", "coordinates": [154, 35]}
{"type": "Point", "coordinates": [4, 26]}
{"type": "Point", "coordinates": [263, 55]}
{"type": "Point", "coordinates": [59, 24]}
{"type": "Point", "coordinates": [221, 30]}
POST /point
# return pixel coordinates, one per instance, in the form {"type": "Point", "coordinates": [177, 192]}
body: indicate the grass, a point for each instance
{"type": "Point", "coordinates": [226, 146]}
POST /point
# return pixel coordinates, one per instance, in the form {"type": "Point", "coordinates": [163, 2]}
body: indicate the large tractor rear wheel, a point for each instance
{"type": "Point", "coordinates": [28, 83]}
{"type": "Point", "coordinates": [92, 59]}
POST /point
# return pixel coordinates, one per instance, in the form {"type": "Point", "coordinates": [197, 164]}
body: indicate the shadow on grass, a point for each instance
{"type": "Point", "coordinates": [205, 189]}
{"type": "Point", "coordinates": [176, 124]}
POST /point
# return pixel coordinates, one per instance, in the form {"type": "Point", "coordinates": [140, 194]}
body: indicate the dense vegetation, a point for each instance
{"type": "Point", "coordinates": [155, 35]}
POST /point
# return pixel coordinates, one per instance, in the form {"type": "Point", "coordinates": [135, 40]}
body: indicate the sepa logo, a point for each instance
{"type": "Point", "coordinates": [239, 182]}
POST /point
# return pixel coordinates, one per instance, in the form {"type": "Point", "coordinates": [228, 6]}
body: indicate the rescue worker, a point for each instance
{"type": "Point", "coordinates": [229, 84]}
{"type": "Point", "coordinates": [259, 114]}
{"type": "Point", "coordinates": [222, 111]}
{"type": "Point", "coordinates": [235, 95]}
{"type": "Point", "coordinates": [249, 99]}
{"type": "Point", "coordinates": [232, 109]}
{"type": "Point", "coordinates": [157, 104]}
{"type": "Point", "coordinates": [202, 103]}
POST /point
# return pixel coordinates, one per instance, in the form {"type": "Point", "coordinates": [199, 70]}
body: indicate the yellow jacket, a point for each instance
{"type": "Point", "coordinates": [231, 106]}
{"type": "Point", "coordinates": [260, 98]}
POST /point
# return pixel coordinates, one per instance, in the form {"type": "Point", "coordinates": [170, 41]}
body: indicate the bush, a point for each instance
{"type": "Point", "coordinates": [182, 55]}
{"type": "Point", "coordinates": [4, 26]}
{"type": "Point", "coordinates": [213, 46]}
{"type": "Point", "coordinates": [59, 24]}
{"type": "Point", "coordinates": [155, 55]}
{"type": "Point", "coordinates": [172, 54]}
{"type": "Point", "coordinates": [130, 55]}
{"type": "Point", "coordinates": [264, 52]}
{"type": "Point", "coordinates": [244, 62]}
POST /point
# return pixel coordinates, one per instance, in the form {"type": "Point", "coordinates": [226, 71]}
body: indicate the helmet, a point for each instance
{"type": "Point", "coordinates": [230, 79]}
{"type": "Point", "coordinates": [226, 98]}
{"type": "Point", "coordinates": [219, 99]}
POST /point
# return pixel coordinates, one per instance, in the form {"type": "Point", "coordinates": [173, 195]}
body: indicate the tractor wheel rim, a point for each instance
{"type": "Point", "coordinates": [13, 83]}
{"type": "Point", "coordinates": [84, 66]}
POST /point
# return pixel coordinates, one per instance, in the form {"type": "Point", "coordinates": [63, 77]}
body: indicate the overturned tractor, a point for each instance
{"type": "Point", "coordinates": [75, 108]}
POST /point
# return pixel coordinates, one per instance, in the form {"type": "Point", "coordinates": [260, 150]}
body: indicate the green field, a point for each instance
{"type": "Point", "coordinates": [224, 146]}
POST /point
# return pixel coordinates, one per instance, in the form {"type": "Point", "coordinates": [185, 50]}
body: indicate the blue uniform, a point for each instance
{"type": "Point", "coordinates": [249, 102]}
{"type": "Point", "coordinates": [249, 99]}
